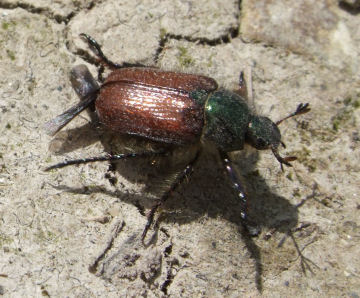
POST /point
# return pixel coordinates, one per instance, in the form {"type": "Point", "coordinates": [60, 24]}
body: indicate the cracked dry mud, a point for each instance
{"type": "Point", "coordinates": [75, 231]}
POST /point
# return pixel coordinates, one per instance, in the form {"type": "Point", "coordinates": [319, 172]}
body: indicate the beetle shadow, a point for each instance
{"type": "Point", "coordinates": [207, 193]}
{"type": "Point", "coordinates": [138, 170]}
{"type": "Point", "coordinates": [214, 196]}
{"type": "Point", "coordinates": [70, 140]}
{"type": "Point", "coordinates": [208, 187]}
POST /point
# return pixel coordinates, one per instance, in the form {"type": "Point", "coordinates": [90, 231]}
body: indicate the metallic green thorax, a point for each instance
{"type": "Point", "coordinates": [227, 117]}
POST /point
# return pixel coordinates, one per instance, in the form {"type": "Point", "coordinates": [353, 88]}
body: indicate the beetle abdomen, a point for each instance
{"type": "Point", "coordinates": [154, 104]}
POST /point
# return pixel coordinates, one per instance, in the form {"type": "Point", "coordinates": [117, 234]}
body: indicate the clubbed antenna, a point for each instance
{"type": "Point", "coordinates": [301, 109]}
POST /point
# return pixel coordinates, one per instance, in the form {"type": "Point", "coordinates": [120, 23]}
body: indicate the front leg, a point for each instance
{"type": "Point", "coordinates": [252, 229]}
{"type": "Point", "coordinates": [242, 86]}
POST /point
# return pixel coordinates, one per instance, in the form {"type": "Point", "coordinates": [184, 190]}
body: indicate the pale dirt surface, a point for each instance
{"type": "Point", "coordinates": [55, 226]}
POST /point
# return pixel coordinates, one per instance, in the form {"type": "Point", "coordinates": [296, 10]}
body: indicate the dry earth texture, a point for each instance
{"type": "Point", "coordinates": [75, 232]}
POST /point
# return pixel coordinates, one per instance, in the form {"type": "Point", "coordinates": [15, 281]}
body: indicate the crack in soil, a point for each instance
{"type": "Point", "coordinates": [225, 38]}
{"type": "Point", "coordinates": [39, 10]}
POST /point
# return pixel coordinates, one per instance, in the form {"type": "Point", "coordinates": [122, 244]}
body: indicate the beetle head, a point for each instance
{"type": "Point", "coordinates": [262, 133]}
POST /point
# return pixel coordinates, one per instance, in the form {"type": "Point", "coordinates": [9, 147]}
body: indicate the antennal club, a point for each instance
{"type": "Point", "coordinates": [301, 109]}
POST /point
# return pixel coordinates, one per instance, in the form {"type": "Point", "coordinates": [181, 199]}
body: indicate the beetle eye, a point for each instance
{"type": "Point", "coordinates": [261, 143]}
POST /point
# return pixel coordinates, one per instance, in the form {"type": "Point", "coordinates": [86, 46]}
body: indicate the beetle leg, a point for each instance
{"type": "Point", "coordinates": [53, 126]}
{"type": "Point", "coordinates": [107, 157]}
{"type": "Point", "coordinates": [252, 229]}
{"type": "Point", "coordinates": [83, 81]}
{"type": "Point", "coordinates": [242, 89]}
{"type": "Point", "coordinates": [87, 90]}
{"type": "Point", "coordinates": [245, 89]}
{"type": "Point", "coordinates": [187, 171]}
{"type": "Point", "coordinates": [96, 49]}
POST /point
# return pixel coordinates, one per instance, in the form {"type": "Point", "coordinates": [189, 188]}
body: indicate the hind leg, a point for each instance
{"type": "Point", "coordinates": [96, 49]}
{"type": "Point", "coordinates": [186, 172]}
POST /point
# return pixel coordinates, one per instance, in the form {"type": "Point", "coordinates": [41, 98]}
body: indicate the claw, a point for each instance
{"type": "Point", "coordinates": [283, 160]}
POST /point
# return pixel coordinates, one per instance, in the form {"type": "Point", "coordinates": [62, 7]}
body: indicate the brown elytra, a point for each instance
{"type": "Point", "coordinates": [154, 104]}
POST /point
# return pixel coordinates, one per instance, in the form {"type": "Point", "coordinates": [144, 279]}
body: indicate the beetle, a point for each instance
{"type": "Point", "coordinates": [173, 108]}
